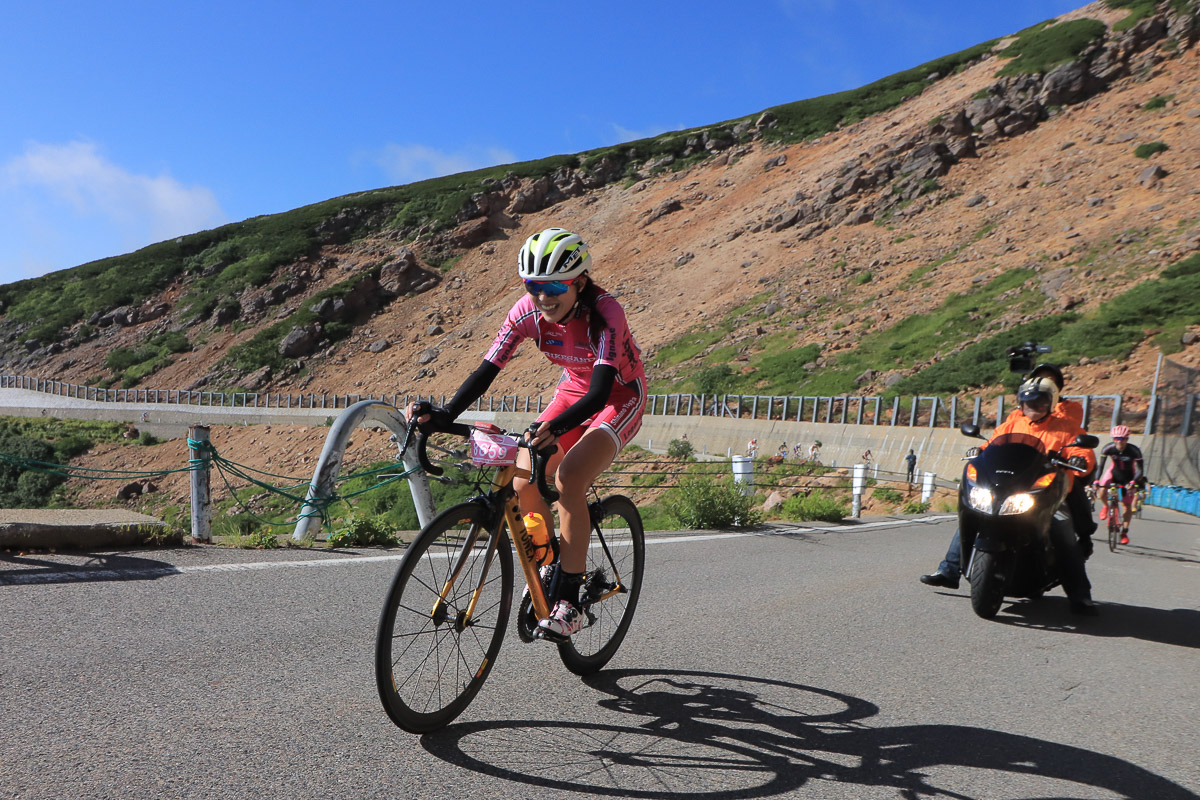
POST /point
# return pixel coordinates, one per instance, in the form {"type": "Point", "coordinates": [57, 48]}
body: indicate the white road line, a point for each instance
{"type": "Point", "coordinates": [85, 575]}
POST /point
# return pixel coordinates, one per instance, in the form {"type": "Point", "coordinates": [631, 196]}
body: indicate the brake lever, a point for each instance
{"type": "Point", "coordinates": [537, 462]}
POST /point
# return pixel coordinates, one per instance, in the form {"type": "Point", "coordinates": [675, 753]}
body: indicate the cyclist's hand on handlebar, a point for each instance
{"type": "Point", "coordinates": [423, 413]}
{"type": "Point", "coordinates": [539, 435]}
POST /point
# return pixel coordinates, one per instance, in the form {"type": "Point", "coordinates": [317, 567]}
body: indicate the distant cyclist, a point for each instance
{"type": "Point", "coordinates": [597, 406]}
{"type": "Point", "coordinates": [1126, 467]}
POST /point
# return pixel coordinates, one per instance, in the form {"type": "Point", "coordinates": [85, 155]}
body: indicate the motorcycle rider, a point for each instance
{"type": "Point", "coordinates": [1038, 398]}
{"type": "Point", "coordinates": [948, 571]}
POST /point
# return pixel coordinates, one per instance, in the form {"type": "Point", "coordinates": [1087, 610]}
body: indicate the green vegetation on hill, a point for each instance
{"type": "Point", "coordinates": [808, 119]}
{"type": "Point", "coordinates": [1042, 48]}
{"type": "Point", "coordinates": [1165, 305]}
{"type": "Point", "coordinates": [1139, 10]}
{"type": "Point", "coordinates": [133, 364]}
{"type": "Point", "coordinates": [50, 441]}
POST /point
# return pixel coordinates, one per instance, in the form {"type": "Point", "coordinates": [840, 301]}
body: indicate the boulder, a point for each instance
{"type": "Point", "coordinates": [257, 379]}
{"type": "Point", "coordinates": [330, 309]}
{"type": "Point", "coordinates": [300, 341]}
{"type": "Point", "coordinates": [1066, 84]}
{"type": "Point", "coordinates": [1151, 175]}
{"type": "Point", "coordinates": [227, 313]}
{"type": "Point", "coordinates": [666, 207]}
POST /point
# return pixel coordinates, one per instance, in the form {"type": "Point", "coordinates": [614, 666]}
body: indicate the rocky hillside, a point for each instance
{"type": "Point", "coordinates": [1006, 188]}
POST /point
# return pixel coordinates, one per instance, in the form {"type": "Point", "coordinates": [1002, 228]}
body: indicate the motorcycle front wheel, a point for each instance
{"type": "Point", "coordinates": [988, 581]}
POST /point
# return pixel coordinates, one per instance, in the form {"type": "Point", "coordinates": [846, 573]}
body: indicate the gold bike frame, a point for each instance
{"type": "Point", "coordinates": [522, 542]}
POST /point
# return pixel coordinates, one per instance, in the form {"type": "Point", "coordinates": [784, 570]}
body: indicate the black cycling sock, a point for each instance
{"type": "Point", "coordinates": [568, 586]}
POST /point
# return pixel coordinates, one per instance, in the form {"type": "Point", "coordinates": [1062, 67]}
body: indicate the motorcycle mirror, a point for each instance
{"type": "Point", "coordinates": [970, 429]}
{"type": "Point", "coordinates": [1086, 440]}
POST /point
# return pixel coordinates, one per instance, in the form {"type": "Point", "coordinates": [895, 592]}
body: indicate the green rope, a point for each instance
{"type": "Point", "coordinates": [205, 456]}
{"type": "Point", "coordinates": [67, 471]}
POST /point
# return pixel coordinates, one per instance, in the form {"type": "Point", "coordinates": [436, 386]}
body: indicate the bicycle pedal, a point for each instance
{"type": "Point", "coordinates": [550, 636]}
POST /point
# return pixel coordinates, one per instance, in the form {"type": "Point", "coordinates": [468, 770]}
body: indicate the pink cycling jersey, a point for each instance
{"type": "Point", "coordinates": [569, 346]}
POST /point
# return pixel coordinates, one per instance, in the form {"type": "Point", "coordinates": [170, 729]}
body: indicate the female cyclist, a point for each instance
{"type": "Point", "coordinates": [598, 404]}
{"type": "Point", "coordinates": [1126, 467]}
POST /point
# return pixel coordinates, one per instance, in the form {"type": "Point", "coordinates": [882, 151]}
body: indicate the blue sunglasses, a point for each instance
{"type": "Point", "coordinates": [548, 288]}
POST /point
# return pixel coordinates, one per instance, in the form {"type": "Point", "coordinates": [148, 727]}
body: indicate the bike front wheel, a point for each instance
{"type": "Point", "coordinates": [1114, 526]}
{"type": "Point", "coordinates": [433, 655]}
{"type": "Point", "coordinates": [612, 584]}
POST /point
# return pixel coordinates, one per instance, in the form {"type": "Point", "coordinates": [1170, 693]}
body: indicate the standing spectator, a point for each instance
{"type": "Point", "coordinates": [910, 461]}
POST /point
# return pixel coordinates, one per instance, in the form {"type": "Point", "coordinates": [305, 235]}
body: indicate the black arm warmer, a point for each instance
{"type": "Point", "coordinates": [603, 377]}
{"type": "Point", "coordinates": [473, 388]}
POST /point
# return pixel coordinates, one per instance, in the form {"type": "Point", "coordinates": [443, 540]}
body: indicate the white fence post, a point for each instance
{"type": "Point", "coordinates": [201, 499]}
{"type": "Point", "coordinates": [858, 484]}
{"type": "Point", "coordinates": [927, 487]}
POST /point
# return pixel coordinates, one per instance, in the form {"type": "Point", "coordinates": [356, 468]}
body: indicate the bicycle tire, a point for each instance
{"type": "Point", "coordinates": [617, 533]}
{"type": "Point", "coordinates": [442, 664]}
{"type": "Point", "coordinates": [1114, 526]}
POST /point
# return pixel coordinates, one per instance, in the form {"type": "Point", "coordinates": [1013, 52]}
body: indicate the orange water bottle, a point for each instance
{"type": "Point", "coordinates": [539, 533]}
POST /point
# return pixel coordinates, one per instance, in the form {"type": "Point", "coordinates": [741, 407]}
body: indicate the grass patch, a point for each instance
{"type": "Point", "coordinates": [1157, 102]}
{"type": "Point", "coordinates": [1041, 49]}
{"type": "Point", "coordinates": [51, 442]}
{"type": "Point", "coordinates": [808, 119]}
{"type": "Point", "coordinates": [1150, 149]}
{"type": "Point", "coordinates": [1138, 10]}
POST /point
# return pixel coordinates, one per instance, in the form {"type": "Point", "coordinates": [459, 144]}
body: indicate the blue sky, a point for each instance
{"type": "Point", "coordinates": [126, 123]}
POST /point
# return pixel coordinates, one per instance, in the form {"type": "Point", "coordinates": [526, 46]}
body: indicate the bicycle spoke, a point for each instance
{"type": "Point", "coordinates": [430, 660]}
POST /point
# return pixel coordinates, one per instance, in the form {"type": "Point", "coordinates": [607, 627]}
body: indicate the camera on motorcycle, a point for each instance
{"type": "Point", "coordinates": [970, 429]}
{"type": "Point", "coordinates": [1086, 440]}
{"type": "Point", "coordinates": [1021, 358]}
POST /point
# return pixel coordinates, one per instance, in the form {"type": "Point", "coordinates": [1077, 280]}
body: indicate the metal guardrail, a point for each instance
{"type": "Point", "coordinates": [918, 411]}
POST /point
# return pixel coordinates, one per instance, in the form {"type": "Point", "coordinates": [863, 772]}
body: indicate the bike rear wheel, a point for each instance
{"type": "Point", "coordinates": [430, 659]}
{"type": "Point", "coordinates": [1114, 526]}
{"type": "Point", "coordinates": [617, 550]}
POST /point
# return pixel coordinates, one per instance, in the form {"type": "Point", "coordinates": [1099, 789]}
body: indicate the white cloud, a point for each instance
{"type": "Point", "coordinates": [405, 163]}
{"type": "Point", "coordinates": [75, 205]}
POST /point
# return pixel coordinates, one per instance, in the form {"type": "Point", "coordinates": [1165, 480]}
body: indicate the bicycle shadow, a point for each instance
{"type": "Point", "coordinates": [28, 570]}
{"type": "Point", "coordinates": [711, 735]}
{"type": "Point", "coordinates": [1174, 626]}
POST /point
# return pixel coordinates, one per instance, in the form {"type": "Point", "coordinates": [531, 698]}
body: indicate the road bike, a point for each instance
{"type": "Point", "coordinates": [447, 610]}
{"type": "Point", "coordinates": [1115, 503]}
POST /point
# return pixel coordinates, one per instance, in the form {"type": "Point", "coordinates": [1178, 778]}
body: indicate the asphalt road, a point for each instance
{"type": "Point", "coordinates": [803, 663]}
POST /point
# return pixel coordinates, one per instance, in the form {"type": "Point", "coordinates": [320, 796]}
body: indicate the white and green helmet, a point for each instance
{"type": "Point", "coordinates": [554, 254]}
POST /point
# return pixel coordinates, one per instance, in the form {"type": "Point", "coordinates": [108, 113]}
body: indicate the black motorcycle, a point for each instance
{"type": "Point", "coordinates": [1010, 510]}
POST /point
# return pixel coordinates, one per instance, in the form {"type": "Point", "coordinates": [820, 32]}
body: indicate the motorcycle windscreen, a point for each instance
{"type": "Point", "coordinates": [1013, 460]}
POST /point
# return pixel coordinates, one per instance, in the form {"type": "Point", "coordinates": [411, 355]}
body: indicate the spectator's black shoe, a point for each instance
{"type": "Point", "coordinates": [939, 579]}
{"type": "Point", "coordinates": [1084, 607]}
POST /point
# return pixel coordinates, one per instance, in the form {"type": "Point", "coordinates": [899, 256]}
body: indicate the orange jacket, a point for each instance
{"type": "Point", "coordinates": [1055, 431]}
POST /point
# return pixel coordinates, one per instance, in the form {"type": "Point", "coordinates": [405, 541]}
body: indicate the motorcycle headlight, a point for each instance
{"type": "Point", "coordinates": [1017, 504]}
{"type": "Point", "coordinates": [980, 499]}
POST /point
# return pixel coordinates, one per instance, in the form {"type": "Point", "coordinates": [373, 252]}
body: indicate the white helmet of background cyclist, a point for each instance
{"type": "Point", "coordinates": [553, 255]}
